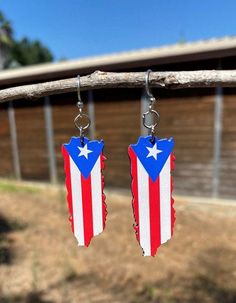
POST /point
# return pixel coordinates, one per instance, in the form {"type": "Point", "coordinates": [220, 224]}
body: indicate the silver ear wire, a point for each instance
{"type": "Point", "coordinates": [147, 88]}
{"type": "Point", "coordinates": [151, 111]}
{"type": "Point", "coordinates": [81, 115]}
{"type": "Point", "coordinates": [79, 103]}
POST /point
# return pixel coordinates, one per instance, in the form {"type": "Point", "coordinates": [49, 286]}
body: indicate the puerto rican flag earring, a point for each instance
{"type": "Point", "coordinates": [152, 161]}
{"type": "Point", "coordinates": [83, 164]}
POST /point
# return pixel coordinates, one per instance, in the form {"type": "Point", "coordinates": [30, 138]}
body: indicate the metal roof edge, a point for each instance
{"type": "Point", "coordinates": [50, 70]}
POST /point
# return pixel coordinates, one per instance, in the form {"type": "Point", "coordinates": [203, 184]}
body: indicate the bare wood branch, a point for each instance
{"type": "Point", "coordinates": [99, 80]}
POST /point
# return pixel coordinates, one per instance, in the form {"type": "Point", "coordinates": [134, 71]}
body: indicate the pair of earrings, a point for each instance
{"type": "Point", "coordinates": [151, 164]}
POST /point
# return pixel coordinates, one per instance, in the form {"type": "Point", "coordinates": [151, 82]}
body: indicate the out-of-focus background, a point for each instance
{"type": "Point", "coordinates": [51, 40]}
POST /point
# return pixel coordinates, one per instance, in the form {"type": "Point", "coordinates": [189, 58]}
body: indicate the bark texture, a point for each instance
{"type": "Point", "coordinates": [99, 80]}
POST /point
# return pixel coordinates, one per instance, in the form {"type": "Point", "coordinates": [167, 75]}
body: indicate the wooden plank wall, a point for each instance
{"type": "Point", "coordinates": [31, 134]}
{"type": "Point", "coordinates": [6, 166]}
{"type": "Point", "coordinates": [190, 120]}
{"type": "Point", "coordinates": [118, 123]}
{"type": "Point", "coordinates": [228, 148]}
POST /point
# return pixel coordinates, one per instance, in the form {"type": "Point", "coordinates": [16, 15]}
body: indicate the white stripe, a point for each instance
{"type": "Point", "coordinates": [143, 206]}
{"type": "Point", "coordinates": [96, 184]}
{"type": "Point", "coordinates": [165, 202]}
{"type": "Point", "coordinates": [77, 203]}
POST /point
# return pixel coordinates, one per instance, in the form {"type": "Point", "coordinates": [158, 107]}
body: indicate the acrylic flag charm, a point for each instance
{"type": "Point", "coordinates": [84, 162]}
{"type": "Point", "coordinates": [151, 165]}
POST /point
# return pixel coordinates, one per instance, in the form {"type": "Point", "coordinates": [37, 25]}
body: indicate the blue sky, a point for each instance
{"type": "Point", "coordinates": [78, 28]}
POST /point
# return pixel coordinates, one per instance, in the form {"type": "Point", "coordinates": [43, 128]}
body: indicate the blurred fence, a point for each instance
{"type": "Point", "coordinates": [201, 122]}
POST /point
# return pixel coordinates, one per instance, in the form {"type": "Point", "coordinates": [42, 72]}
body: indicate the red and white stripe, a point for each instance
{"type": "Point", "coordinates": [152, 204]}
{"type": "Point", "coordinates": [86, 200]}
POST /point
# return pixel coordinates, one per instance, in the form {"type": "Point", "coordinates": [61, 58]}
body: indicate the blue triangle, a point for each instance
{"type": "Point", "coordinates": [85, 165]}
{"type": "Point", "coordinates": [153, 166]}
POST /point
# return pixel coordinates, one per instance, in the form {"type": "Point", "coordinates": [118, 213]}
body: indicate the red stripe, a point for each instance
{"type": "Point", "coordinates": [68, 184]}
{"type": "Point", "coordinates": [87, 209]}
{"type": "Point", "coordinates": [134, 186]}
{"type": "Point", "coordinates": [104, 208]}
{"type": "Point", "coordinates": [172, 159]}
{"type": "Point", "coordinates": [154, 204]}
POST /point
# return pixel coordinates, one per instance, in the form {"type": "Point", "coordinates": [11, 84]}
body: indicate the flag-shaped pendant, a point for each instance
{"type": "Point", "coordinates": [151, 165]}
{"type": "Point", "coordinates": [83, 163]}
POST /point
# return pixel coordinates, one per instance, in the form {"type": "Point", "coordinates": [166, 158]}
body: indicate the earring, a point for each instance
{"type": "Point", "coordinates": [151, 164]}
{"type": "Point", "coordinates": [83, 164]}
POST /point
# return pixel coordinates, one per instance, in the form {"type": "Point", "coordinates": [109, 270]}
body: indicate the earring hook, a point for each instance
{"type": "Point", "coordinates": [78, 121]}
{"type": "Point", "coordinates": [151, 111]}
{"type": "Point", "coordinates": [147, 82]}
{"type": "Point", "coordinates": [80, 102]}
{"type": "Point", "coordinates": [78, 88]}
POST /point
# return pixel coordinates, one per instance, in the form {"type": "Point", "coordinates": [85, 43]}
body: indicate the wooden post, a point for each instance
{"type": "Point", "coordinates": [14, 143]}
{"type": "Point", "coordinates": [50, 140]}
{"type": "Point", "coordinates": [91, 114]}
{"type": "Point", "coordinates": [218, 113]}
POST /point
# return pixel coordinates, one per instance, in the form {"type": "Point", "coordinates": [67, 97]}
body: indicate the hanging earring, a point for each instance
{"type": "Point", "coordinates": [83, 164]}
{"type": "Point", "coordinates": [151, 164]}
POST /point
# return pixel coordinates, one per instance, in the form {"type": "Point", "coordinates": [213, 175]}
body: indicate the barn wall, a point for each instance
{"type": "Point", "coordinates": [228, 148]}
{"type": "Point", "coordinates": [6, 167]}
{"type": "Point", "coordinates": [31, 134]}
{"type": "Point", "coordinates": [190, 120]}
{"type": "Point", "coordinates": [118, 123]}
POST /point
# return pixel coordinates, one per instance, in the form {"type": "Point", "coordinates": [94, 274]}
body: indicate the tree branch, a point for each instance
{"type": "Point", "coordinates": [98, 80]}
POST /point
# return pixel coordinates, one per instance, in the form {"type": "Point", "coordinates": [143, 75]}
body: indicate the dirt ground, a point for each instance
{"type": "Point", "coordinates": [40, 261]}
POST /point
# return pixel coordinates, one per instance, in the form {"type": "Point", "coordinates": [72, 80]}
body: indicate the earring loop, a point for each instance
{"type": "Point", "coordinates": [151, 111]}
{"type": "Point", "coordinates": [78, 119]}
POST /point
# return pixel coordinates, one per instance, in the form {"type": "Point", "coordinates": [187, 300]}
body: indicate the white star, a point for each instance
{"type": "Point", "coordinates": [153, 151]}
{"type": "Point", "coordinates": [84, 151]}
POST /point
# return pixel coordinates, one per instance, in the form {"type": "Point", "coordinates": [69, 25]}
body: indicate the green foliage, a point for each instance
{"type": "Point", "coordinates": [27, 52]}
{"type": "Point", "coordinates": [6, 31]}
{"type": "Point", "coordinates": [21, 52]}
